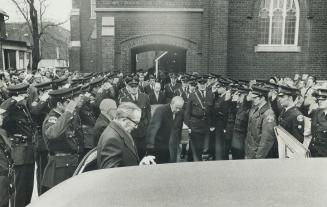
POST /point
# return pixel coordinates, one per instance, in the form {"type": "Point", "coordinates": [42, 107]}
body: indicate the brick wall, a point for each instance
{"type": "Point", "coordinates": [243, 62]}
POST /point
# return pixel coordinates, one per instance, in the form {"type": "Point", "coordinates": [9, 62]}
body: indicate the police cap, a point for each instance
{"type": "Point", "coordinates": [59, 82]}
{"type": "Point", "coordinates": [202, 80]}
{"type": "Point", "coordinates": [320, 94]}
{"type": "Point", "coordinates": [44, 86]}
{"type": "Point", "coordinates": [65, 93]}
{"type": "Point", "coordinates": [97, 82]}
{"type": "Point", "coordinates": [132, 81]}
{"type": "Point", "coordinates": [259, 91]}
{"type": "Point", "coordinates": [285, 90]}
{"type": "Point", "coordinates": [18, 89]}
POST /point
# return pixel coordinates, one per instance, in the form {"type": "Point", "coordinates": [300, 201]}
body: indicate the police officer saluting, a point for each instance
{"type": "Point", "coordinates": [290, 118]}
{"type": "Point", "coordinates": [20, 128]}
{"type": "Point", "coordinates": [6, 164]}
{"type": "Point", "coordinates": [318, 145]}
{"type": "Point", "coordinates": [59, 133]}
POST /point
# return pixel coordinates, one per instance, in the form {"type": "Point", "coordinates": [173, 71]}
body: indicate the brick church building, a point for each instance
{"type": "Point", "coordinates": [238, 38]}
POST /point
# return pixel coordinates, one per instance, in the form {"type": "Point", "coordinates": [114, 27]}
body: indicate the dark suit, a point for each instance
{"type": "Point", "coordinates": [139, 133]}
{"type": "Point", "coordinates": [100, 125]}
{"type": "Point", "coordinates": [161, 98]}
{"type": "Point", "coordinates": [116, 148]}
{"type": "Point", "coordinates": [162, 134]}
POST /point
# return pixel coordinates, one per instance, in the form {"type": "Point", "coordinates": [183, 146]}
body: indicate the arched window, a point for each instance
{"type": "Point", "coordinates": [279, 22]}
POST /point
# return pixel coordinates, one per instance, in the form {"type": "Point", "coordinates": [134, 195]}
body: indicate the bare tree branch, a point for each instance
{"type": "Point", "coordinates": [21, 10]}
{"type": "Point", "coordinates": [49, 24]}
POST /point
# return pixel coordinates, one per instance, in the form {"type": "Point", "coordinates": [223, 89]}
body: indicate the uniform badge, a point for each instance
{"type": "Point", "coordinates": [270, 118]}
{"type": "Point", "coordinates": [300, 118]}
{"type": "Point", "coordinates": [52, 119]}
{"type": "Point", "coordinates": [300, 127]}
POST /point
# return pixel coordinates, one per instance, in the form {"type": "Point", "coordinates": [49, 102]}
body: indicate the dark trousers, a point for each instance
{"type": "Point", "coordinates": [4, 191]}
{"type": "Point", "coordinates": [220, 145]}
{"type": "Point", "coordinates": [228, 139]}
{"type": "Point", "coordinates": [140, 146]}
{"type": "Point", "coordinates": [162, 156]}
{"type": "Point", "coordinates": [314, 152]}
{"type": "Point", "coordinates": [238, 145]}
{"type": "Point", "coordinates": [199, 144]}
{"type": "Point", "coordinates": [24, 181]}
{"type": "Point", "coordinates": [41, 159]}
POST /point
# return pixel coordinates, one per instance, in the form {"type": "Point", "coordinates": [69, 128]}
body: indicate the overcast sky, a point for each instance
{"type": "Point", "coordinates": [58, 11]}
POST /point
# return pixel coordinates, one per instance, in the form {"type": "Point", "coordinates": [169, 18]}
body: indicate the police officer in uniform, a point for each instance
{"type": "Point", "coordinates": [39, 110]}
{"type": "Point", "coordinates": [21, 130]}
{"type": "Point", "coordinates": [318, 144]}
{"type": "Point", "coordinates": [221, 108]}
{"type": "Point", "coordinates": [59, 133]}
{"type": "Point", "coordinates": [6, 165]}
{"type": "Point", "coordinates": [198, 118]}
{"type": "Point", "coordinates": [141, 100]}
{"type": "Point", "coordinates": [290, 118]}
{"type": "Point", "coordinates": [260, 134]}
{"type": "Point", "coordinates": [171, 87]}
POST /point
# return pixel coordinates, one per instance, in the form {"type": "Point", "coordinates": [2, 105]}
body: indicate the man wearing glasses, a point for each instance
{"type": "Point", "coordinates": [116, 147]}
{"type": "Point", "coordinates": [143, 102]}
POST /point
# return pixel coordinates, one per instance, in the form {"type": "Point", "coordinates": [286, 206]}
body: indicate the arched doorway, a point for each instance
{"type": "Point", "coordinates": [143, 57]}
{"type": "Point", "coordinates": [186, 52]}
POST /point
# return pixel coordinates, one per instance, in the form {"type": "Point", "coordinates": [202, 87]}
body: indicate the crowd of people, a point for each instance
{"type": "Point", "coordinates": [53, 119]}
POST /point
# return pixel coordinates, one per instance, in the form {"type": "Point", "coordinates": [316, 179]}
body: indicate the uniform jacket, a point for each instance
{"type": "Point", "coordinates": [197, 118]}
{"type": "Point", "coordinates": [221, 111]}
{"type": "Point", "coordinates": [161, 98]}
{"type": "Point", "coordinates": [4, 146]}
{"type": "Point", "coordinates": [260, 135]}
{"type": "Point", "coordinates": [88, 120]}
{"type": "Point", "coordinates": [144, 103]}
{"type": "Point", "coordinates": [100, 125]}
{"type": "Point", "coordinates": [319, 132]}
{"type": "Point", "coordinates": [116, 148]}
{"type": "Point", "coordinates": [170, 90]}
{"type": "Point", "coordinates": [19, 122]}
{"type": "Point", "coordinates": [292, 121]}
{"type": "Point", "coordinates": [60, 137]}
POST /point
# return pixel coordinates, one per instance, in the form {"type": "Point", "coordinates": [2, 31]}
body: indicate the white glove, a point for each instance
{"type": "Point", "coordinates": [148, 160]}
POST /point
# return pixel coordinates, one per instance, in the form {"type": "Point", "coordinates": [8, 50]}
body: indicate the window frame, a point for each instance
{"type": "Point", "coordinates": [280, 47]}
{"type": "Point", "coordinates": [92, 9]}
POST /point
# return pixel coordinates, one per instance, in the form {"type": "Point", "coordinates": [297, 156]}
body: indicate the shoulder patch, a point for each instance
{"type": "Point", "coordinates": [270, 118]}
{"type": "Point", "coordinates": [52, 119]}
{"type": "Point", "coordinates": [34, 103]}
{"type": "Point", "coordinates": [300, 118]}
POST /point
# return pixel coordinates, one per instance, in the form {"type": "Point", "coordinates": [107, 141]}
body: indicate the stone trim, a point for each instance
{"type": "Point", "coordinates": [75, 43]}
{"type": "Point", "coordinates": [198, 10]}
{"type": "Point", "coordinates": [277, 48]}
{"type": "Point", "coordinates": [75, 12]}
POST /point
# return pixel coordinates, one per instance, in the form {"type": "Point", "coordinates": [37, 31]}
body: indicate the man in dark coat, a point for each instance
{"type": "Point", "coordinates": [143, 102]}
{"type": "Point", "coordinates": [116, 147]}
{"type": "Point", "coordinates": [318, 144]}
{"type": "Point", "coordinates": [157, 96]}
{"type": "Point", "coordinates": [198, 117]}
{"type": "Point", "coordinates": [20, 128]}
{"type": "Point", "coordinates": [291, 119]}
{"type": "Point", "coordinates": [108, 109]}
{"type": "Point", "coordinates": [162, 133]}
{"type": "Point", "coordinates": [5, 164]}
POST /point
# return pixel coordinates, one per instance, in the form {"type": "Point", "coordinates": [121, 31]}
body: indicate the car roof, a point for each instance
{"type": "Point", "coordinates": [246, 183]}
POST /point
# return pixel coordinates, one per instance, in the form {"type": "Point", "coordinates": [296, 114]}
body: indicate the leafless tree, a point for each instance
{"type": "Point", "coordinates": [33, 11]}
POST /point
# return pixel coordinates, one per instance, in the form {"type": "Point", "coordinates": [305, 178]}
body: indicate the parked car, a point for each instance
{"type": "Point", "coordinates": [246, 183]}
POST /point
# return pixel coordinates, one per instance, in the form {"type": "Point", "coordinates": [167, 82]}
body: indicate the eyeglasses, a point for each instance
{"type": "Point", "coordinates": [134, 122]}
